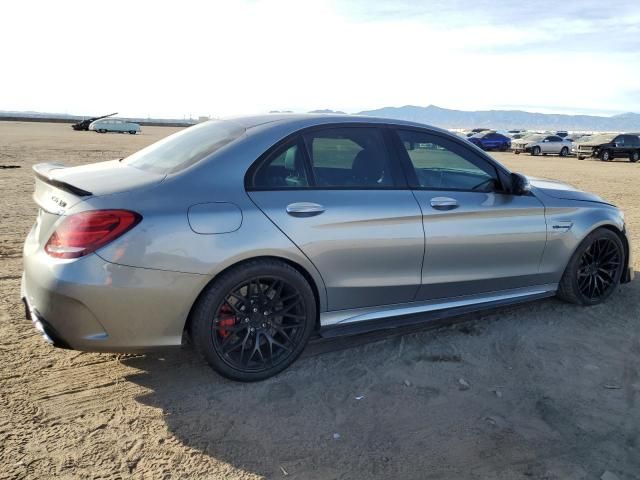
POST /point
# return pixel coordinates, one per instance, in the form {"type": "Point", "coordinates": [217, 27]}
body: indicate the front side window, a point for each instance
{"type": "Point", "coordinates": [619, 140]}
{"type": "Point", "coordinates": [349, 157]}
{"type": "Point", "coordinates": [441, 164]}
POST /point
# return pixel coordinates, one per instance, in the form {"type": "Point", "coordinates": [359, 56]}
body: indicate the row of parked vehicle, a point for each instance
{"type": "Point", "coordinates": [604, 146]}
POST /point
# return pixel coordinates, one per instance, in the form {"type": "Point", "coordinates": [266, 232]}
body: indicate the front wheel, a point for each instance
{"type": "Point", "coordinates": [605, 156]}
{"type": "Point", "coordinates": [132, 132]}
{"type": "Point", "coordinates": [535, 151]}
{"type": "Point", "coordinates": [254, 320]}
{"type": "Point", "coordinates": [595, 269]}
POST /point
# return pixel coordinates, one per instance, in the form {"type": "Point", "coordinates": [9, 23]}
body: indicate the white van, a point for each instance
{"type": "Point", "coordinates": [114, 125]}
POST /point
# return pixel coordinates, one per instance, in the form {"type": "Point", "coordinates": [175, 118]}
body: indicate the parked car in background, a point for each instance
{"type": "Point", "coordinates": [562, 133]}
{"type": "Point", "coordinates": [273, 228]}
{"type": "Point", "coordinates": [610, 146]}
{"type": "Point", "coordinates": [491, 141]}
{"type": "Point", "coordinates": [542, 144]}
{"type": "Point", "coordinates": [114, 125]}
{"type": "Point", "coordinates": [516, 136]}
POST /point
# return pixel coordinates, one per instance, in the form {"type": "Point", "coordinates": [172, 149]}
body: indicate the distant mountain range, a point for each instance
{"type": "Point", "coordinates": [431, 115]}
{"type": "Point", "coordinates": [508, 119]}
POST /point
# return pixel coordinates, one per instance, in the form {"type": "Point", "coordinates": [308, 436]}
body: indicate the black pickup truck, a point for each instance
{"type": "Point", "coordinates": [606, 147]}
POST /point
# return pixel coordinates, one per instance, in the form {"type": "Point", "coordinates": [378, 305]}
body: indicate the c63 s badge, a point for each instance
{"type": "Point", "coordinates": [58, 201]}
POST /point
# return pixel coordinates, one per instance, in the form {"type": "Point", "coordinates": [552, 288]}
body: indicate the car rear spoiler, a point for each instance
{"type": "Point", "coordinates": [43, 172]}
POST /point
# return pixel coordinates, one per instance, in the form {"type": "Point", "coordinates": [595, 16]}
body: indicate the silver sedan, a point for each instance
{"type": "Point", "coordinates": [251, 234]}
{"type": "Point", "coordinates": [542, 145]}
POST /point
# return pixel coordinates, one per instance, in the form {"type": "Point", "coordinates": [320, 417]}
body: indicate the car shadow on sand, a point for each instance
{"type": "Point", "coordinates": [382, 405]}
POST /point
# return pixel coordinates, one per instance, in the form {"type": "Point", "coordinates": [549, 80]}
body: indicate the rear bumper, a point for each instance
{"type": "Point", "coordinates": [93, 305]}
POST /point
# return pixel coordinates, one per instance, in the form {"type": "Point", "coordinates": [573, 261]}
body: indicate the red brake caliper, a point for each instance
{"type": "Point", "coordinates": [226, 319]}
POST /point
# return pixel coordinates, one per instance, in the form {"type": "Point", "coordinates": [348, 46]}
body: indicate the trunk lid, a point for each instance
{"type": "Point", "coordinates": [59, 188]}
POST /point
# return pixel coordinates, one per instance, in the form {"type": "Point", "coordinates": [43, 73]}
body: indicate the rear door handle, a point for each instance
{"type": "Point", "coordinates": [304, 209]}
{"type": "Point", "coordinates": [444, 203]}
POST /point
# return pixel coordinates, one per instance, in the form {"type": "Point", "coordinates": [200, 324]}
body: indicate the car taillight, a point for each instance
{"type": "Point", "coordinates": [83, 233]}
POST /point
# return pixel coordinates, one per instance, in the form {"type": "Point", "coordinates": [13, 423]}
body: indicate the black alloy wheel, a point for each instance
{"type": "Point", "coordinates": [259, 324]}
{"type": "Point", "coordinates": [599, 269]}
{"type": "Point", "coordinates": [254, 320]}
{"type": "Point", "coordinates": [595, 269]}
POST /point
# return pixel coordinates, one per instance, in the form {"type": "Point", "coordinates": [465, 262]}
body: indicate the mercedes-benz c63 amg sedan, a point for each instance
{"type": "Point", "coordinates": [253, 233]}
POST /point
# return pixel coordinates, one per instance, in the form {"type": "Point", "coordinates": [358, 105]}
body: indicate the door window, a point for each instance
{"type": "Point", "coordinates": [349, 157]}
{"type": "Point", "coordinates": [441, 164]}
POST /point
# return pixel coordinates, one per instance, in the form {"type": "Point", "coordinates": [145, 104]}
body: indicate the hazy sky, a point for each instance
{"type": "Point", "coordinates": [231, 57]}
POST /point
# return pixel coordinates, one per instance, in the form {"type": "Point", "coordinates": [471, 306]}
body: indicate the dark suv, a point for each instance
{"type": "Point", "coordinates": [606, 147]}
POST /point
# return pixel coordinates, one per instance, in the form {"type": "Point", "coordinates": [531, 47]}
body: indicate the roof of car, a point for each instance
{"type": "Point", "coordinates": [302, 120]}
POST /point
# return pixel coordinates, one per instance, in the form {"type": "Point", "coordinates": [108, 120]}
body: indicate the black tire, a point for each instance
{"type": "Point", "coordinates": [535, 151]}
{"type": "Point", "coordinates": [102, 130]}
{"type": "Point", "coordinates": [132, 132]}
{"type": "Point", "coordinates": [575, 286]}
{"type": "Point", "coordinates": [581, 157]}
{"type": "Point", "coordinates": [246, 290]}
{"type": "Point", "coordinates": [605, 156]}
{"type": "Point", "coordinates": [564, 152]}
{"type": "Point", "coordinates": [634, 156]}
{"type": "Point", "coordinates": [517, 152]}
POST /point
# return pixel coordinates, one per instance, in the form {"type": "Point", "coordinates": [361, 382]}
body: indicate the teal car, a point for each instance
{"type": "Point", "coordinates": [114, 125]}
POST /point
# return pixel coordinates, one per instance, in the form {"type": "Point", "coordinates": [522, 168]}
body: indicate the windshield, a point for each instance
{"type": "Point", "coordinates": [600, 138]}
{"type": "Point", "coordinates": [186, 147]}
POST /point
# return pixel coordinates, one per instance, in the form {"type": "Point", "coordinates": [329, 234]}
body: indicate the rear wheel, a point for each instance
{"type": "Point", "coordinates": [102, 130]}
{"type": "Point", "coordinates": [634, 156]}
{"type": "Point", "coordinates": [132, 132]}
{"type": "Point", "coordinates": [517, 152]}
{"type": "Point", "coordinates": [605, 156]}
{"type": "Point", "coordinates": [255, 320]}
{"type": "Point", "coordinates": [594, 271]}
{"type": "Point", "coordinates": [535, 151]}
{"type": "Point", "coordinates": [581, 157]}
{"type": "Point", "coordinates": [564, 152]}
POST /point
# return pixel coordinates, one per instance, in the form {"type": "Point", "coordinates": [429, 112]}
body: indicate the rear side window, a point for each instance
{"type": "Point", "coordinates": [285, 168]}
{"type": "Point", "coordinates": [349, 157]}
{"type": "Point", "coordinates": [441, 164]}
{"type": "Point", "coordinates": [186, 147]}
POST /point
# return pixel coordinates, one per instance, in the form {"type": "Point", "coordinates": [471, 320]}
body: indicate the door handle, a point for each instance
{"type": "Point", "coordinates": [444, 203]}
{"type": "Point", "coordinates": [304, 209]}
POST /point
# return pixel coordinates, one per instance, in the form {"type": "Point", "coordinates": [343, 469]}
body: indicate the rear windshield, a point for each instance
{"type": "Point", "coordinates": [186, 147]}
{"type": "Point", "coordinates": [534, 138]}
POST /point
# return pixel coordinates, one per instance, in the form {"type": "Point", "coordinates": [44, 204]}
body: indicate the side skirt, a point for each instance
{"type": "Point", "coordinates": [413, 314]}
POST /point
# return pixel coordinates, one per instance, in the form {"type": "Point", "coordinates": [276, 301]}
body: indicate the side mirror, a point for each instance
{"type": "Point", "coordinates": [519, 184]}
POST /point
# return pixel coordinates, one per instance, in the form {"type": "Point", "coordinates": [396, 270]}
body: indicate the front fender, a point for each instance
{"type": "Point", "coordinates": [568, 224]}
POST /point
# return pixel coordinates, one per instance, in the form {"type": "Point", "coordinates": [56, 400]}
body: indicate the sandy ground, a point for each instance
{"type": "Point", "coordinates": [553, 389]}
